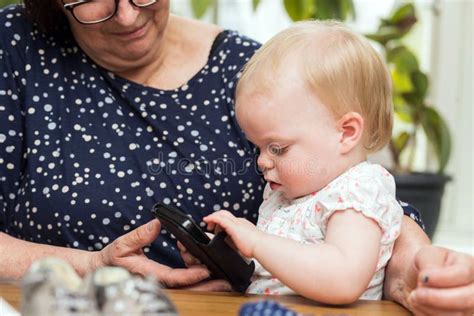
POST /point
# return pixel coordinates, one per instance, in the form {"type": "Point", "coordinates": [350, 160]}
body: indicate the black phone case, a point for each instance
{"type": "Point", "coordinates": [223, 261]}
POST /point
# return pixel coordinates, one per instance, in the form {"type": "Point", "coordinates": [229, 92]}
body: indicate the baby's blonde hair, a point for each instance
{"type": "Point", "coordinates": [334, 62]}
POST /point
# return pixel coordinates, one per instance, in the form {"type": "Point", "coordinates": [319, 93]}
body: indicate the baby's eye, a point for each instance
{"type": "Point", "coordinates": [276, 150]}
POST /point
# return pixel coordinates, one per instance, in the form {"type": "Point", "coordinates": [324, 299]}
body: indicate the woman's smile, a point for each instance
{"type": "Point", "coordinates": [134, 33]}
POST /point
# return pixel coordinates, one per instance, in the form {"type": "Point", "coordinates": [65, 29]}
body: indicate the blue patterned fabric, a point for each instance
{"type": "Point", "coordinates": [413, 213]}
{"type": "Point", "coordinates": [265, 308]}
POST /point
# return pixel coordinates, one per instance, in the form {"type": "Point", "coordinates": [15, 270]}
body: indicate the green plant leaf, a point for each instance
{"type": "Point", "coordinates": [333, 9]}
{"type": "Point", "coordinates": [386, 34]}
{"type": "Point", "coordinates": [396, 26]}
{"type": "Point", "coordinates": [438, 135]}
{"type": "Point", "coordinates": [401, 13]}
{"type": "Point", "coordinates": [403, 18]}
{"type": "Point", "coordinates": [400, 142]}
{"type": "Point", "coordinates": [403, 59]}
{"type": "Point", "coordinates": [420, 86]}
{"type": "Point", "coordinates": [402, 110]}
{"type": "Point", "coordinates": [299, 9]}
{"type": "Point", "coordinates": [326, 10]}
{"type": "Point", "coordinates": [348, 9]}
{"type": "Point", "coordinates": [255, 4]}
{"type": "Point", "coordinates": [420, 82]}
{"type": "Point", "coordinates": [412, 99]}
{"type": "Point", "coordinates": [200, 7]}
{"type": "Point", "coordinates": [410, 87]}
{"type": "Point", "coordinates": [401, 82]}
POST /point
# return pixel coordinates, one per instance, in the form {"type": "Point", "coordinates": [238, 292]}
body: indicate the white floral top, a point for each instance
{"type": "Point", "coordinates": [366, 187]}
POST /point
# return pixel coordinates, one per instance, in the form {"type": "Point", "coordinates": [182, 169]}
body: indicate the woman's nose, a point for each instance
{"type": "Point", "coordinates": [127, 13]}
{"type": "Point", "coordinates": [264, 163]}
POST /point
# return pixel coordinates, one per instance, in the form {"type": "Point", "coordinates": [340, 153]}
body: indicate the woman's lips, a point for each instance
{"type": "Point", "coordinates": [133, 34]}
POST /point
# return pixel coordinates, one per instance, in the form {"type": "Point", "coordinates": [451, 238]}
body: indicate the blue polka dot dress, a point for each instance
{"type": "Point", "coordinates": [85, 154]}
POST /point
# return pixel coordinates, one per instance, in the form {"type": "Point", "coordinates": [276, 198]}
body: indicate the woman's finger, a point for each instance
{"type": "Point", "coordinates": [455, 299]}
{"type": "Point", "coordinates": [184, 277]}
{"type": "Point", "coordinates": [445, 277]}
{"type": "Point", "coordinates": [129, 246]}
{"type": "Point", "coordinates": [459, 270]}
{"type": "Point", "coordinates": [431, 257]}
{"type": "Point", "coordinates": [142, 265]}
{"type": "Point", "coordinates": [424, 310]}
{"type": "Point", "coordinates": [189, 259]}
{"type": "Point", "coordinates": [139, 237]}
{"type": "Point", "coordinates": [211, 286]}
{"type": "Point", "coordinates": [428, 311]}
{"type": "Point", "coordinates": [181, 247]}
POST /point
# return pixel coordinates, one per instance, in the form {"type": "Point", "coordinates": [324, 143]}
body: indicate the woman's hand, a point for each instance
{"type": "Point", "coordinates": [449, 289]}
{"type": "Point", "coordinates": [243, 233]}
{"type": "Point", "coordinates": [208, 285]}
{"type": "Point", "coordinates": [445, 283]}
{"type": "Point", "coordinates": [126, 251]}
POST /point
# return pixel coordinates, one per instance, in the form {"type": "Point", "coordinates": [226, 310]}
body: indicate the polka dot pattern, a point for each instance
{"type": "Point", "coordinates": [85, 154]}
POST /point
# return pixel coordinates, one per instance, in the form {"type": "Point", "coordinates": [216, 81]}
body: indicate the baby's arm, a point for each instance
{"type": "Point", "coordinates": [335, 272]}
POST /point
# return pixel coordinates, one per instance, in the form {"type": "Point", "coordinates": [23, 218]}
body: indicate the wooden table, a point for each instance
{"type": "Point", "coordinates": [222, 304]}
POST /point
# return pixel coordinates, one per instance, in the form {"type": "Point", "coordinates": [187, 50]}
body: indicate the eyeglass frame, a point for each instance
{"type": "Point", "coordinates": [70, 7]}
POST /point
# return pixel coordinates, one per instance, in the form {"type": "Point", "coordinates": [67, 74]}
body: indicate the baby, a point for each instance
{"type": "Point", "coordinates": [316, 100]}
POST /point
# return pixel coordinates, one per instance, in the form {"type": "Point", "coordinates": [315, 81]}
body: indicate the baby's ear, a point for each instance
{"type": "Point", "coordinates": [351, 126]}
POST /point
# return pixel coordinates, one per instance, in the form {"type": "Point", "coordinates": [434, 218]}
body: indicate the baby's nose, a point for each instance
{"type": "Point", "coordinates": [264, 163]}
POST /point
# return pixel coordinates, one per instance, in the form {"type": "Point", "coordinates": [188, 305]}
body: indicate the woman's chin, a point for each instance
{"type": "Point", "coordinates": [125, 59]}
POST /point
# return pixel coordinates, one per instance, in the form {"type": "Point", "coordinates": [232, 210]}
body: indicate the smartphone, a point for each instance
{"type": "Point", "coordinates": [223, 261]}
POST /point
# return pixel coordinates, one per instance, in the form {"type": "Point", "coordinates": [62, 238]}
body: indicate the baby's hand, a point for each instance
{"type": "Point", "coordinates": [243, 233]}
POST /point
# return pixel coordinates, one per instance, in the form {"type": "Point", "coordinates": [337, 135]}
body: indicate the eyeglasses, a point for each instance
{"type": "Point", "coordinates": [97, 11]}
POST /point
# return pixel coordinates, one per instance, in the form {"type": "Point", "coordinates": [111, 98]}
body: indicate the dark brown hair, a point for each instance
{"type": "Point", "coordinates": [47, 14]}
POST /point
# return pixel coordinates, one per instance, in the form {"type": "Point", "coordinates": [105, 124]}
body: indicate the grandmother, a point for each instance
{"type": "Point", "coordinates": [107, 107]}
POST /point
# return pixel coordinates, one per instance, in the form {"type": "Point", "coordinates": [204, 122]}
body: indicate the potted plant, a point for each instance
{"type": "Point", "coordinates": [410, 86]}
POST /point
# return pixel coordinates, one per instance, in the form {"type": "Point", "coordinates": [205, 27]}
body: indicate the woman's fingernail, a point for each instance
{"type": "Point", "coordinates": [150, 226]}
{"type": "Point", "coordinates": [425, 279]}
{"type": "Point", "coordinates": [206, 273]}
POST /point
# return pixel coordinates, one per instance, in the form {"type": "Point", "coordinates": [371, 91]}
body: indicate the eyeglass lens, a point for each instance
{"type": "Point", "coordinates": [100, 10]}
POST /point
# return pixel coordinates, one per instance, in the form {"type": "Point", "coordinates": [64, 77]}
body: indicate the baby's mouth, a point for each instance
{"type": "Point", "coordinates": [274, 186]}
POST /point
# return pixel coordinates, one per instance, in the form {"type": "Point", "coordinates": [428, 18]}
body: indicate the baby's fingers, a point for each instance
{"type": "Point", "coordinates": [210, 225]}
{"type": "Point", "coordinates": [212, 221]}
{"type": "Point", "coordinates": [220, 219]}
